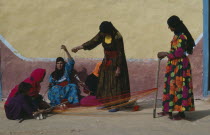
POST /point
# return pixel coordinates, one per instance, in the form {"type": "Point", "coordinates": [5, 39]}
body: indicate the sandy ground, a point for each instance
{"type": "Point", "coordinates": [88, 121]}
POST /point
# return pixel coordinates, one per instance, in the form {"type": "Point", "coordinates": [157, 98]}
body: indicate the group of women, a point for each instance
{"type": "Point", "coordinates": [112, 79]}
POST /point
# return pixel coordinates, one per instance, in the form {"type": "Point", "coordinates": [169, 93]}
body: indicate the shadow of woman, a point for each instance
{"type": "Point", "coordinates": [196, 115]}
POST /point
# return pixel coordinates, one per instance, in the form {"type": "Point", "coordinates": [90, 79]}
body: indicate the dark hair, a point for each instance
{"type": "Point", "coordinates": [106, 27]}
{"type": "Point", "coordinates": [57, 74]}
{"type": "Point", "coordinates": [23, 88]}
{"type": "Point", "coordinates": [178, 25]}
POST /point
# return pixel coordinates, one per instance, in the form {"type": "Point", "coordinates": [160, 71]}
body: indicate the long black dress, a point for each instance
{"type": "Point", "coordinates": [111, 87]}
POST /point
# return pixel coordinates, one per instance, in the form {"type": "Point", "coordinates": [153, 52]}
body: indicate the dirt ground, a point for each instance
{"type": "Point", "coordinates": [89, 121]}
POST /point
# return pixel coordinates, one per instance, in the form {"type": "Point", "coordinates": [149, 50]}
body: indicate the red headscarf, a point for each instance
{"type": "Point", "coordinates": [35, 79]}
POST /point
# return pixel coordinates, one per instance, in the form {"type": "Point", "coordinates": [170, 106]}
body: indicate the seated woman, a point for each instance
{"type": "Point", "coordinates": [60, 87]}
{"type": "Point", "coordinates": [90, 86]}
{"type": "Point", "coordinates": [20, 106]}
{"type": "Point", "coordinates": [92, 79]}
{"type": "Point", "coordinates": [34, 80]}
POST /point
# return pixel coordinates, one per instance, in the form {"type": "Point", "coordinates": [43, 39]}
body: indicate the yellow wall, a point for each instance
{"type": "Point", "coordinates": [37, 28]}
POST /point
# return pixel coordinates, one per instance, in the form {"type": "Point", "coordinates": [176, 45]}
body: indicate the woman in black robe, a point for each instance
{"type": "Point", "coordinates": [113, 76]}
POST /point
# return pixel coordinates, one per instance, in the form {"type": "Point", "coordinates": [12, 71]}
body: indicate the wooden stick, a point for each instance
{"type": "Point", "coordinates": [124, 104]}
{"type": "Point", "coordinates": [156, 93]}
{"type": "Point", "coordinates": [82, 84]}
{"type": "Point", "coordinates": [48, 109]}
{"type": "Point", "coordinates": [21, 120]}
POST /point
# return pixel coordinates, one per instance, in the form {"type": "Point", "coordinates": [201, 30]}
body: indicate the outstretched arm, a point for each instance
{"type": "Point", "coordinates": [67, 52]}
{"type": "Point", "coordinates": [89, 45]}
{"type": "Point", "coordinates": [70, 64]}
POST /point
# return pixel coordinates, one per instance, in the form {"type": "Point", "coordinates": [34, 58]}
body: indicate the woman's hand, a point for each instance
{"type": "Point", "coordinates": [162, 55]}
{"type": "Point", "coordinates": [117, 73]}
{"type": "Point", "coordinates": [63, 47]}
{"type": "Point", "coordinates": [37, 112]}
{"type": "Point", "coordinates": [75, 49]}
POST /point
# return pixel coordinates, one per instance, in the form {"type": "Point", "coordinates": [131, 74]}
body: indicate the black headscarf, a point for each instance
{"type": "Point", "coordinates": [107, 27]}
{"type": "Point", "coordinates": [23, 88]}
{"type": "Point", "coordinates": [178, 25]}
{"type": "Point", "coordinates": [57, 74]}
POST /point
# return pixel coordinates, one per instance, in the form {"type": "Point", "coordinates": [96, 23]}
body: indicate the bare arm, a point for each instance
{"type": "Point", "coordinates": [67, 52]}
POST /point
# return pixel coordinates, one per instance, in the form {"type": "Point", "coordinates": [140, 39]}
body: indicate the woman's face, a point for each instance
{"type": "Point", "coordinates": [106, 34]}
{"type": "Point", "coordinates": [172, 29]}
{"type": "Point", "coordinates": [59, 65]}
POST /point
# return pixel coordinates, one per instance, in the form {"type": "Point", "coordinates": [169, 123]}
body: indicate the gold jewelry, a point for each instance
{"type": "Point", "coordinates": [108, 39]}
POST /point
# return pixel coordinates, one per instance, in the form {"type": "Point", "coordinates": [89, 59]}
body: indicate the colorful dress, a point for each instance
{"type": "Point", "coordinates": [63, 88]}
{"type": "Point", "coordinates": [109, 85]}
{"type": "Point", "coordinates": [178, 88]}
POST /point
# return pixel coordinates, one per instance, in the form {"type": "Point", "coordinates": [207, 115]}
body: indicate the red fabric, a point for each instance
{"type": "Point", "coordinates": [108, 63]}
{"type": "Point", "coordinates": [90, 101]}
{"type": "Point", "coordinates": [35, 79]}
{"type": "Point", "coordinates": [111, 54]}
{"type": "Point", "coordinates": [136, 108]}
{"type": "Point", "coordinates": [64, 83]}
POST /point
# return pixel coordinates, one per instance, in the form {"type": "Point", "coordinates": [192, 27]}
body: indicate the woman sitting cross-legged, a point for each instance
{"type": "Point", "coordinates": [60, 87]}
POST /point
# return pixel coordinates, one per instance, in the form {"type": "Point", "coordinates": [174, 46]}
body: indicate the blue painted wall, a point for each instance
{"type": "Point", "coordinates": [205, 47]}
{"type": "Point", "coordinates": [0, 78]}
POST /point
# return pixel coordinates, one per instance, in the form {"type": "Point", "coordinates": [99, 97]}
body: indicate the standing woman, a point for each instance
{"type": "Point", "coordinates": [60, 87]}
{"type": "Point", "coordinates": [178, 89]}
{"type": "Point", "coordinates": [113, 74]}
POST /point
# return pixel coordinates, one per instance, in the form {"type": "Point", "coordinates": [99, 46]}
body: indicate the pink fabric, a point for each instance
{"type": "Point", "coordinates": [35, 79]}
{"type": "Point", "coordinates": [89, 101]}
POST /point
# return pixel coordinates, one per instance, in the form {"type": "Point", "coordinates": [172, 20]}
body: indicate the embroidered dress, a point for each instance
{"type": "Point", "coordinates": [178, 88]}
{"type": "Point", "coordinates": [63, 88]}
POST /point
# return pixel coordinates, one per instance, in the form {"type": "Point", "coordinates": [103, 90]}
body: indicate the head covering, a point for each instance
{"type": "Point", "coordinates": [57, 74]}
{"type": "Point", "coordinates": [60, 59]}
{"type": "Point", "coordinates": [34, 80]}
{"type": "Point", "coordinates": [106, 27]}
{"type": "Point", "coordinates": [175, 22]}
{"type": "Point", "coordinates": [37, 75]}
{"type": "Point", "coordinates": [23, 88]}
